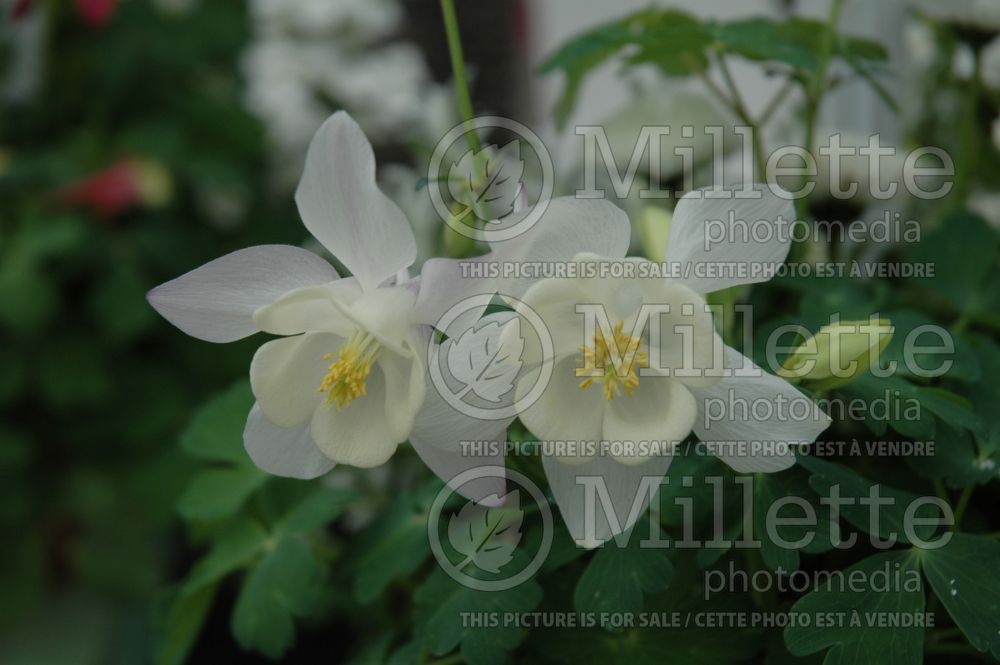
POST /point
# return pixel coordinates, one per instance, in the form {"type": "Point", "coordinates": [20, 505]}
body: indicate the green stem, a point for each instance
{"type": "Point", "coordinates": [772, 106]}
{"type": "Point", "coordinates": [815, 92]}
{"type": "Point", "coordinates": [741, 111]}
{"type": "Point", "coordinates": [968, 141]}
{"type": "Point", "coordinates": [462, 95]}
{"type": "Point", "coordinates": [962, 323]}
{"type": "Point", "coordinates": [939, 490]}
{"type": "Point", "coordinates": [963, 503]}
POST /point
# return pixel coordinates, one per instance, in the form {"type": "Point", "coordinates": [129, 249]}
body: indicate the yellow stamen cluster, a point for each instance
{"type": "Point", "coordinates": [599, 358]}
{"type": "Point", "coordinates": [346, 377]}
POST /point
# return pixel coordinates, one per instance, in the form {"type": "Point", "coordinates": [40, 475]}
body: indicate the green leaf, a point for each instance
{"type": "Point", "coordinates": [442, 605]}
{"type": "Point", "coordinates": [583, 53]}
{"type": "Point", "coordinates": [395, 546]}
{"type": "Point", "coordinates": [893, 401]}
{"type": "Point", "coordinates": [285, 584]}
{"type": "Point", "coordinates": [768, 489]}
{"type": "Point", "coordinates": [963, 250]}
{"type": "Point", "coordinates": [654, 638]}
{"type": "Point", "coordinates": [762, 39]}
{"type": "Point", "coordinates": [406, 654]}
{"type": "Point", "coordinates": [673, 495]}
{"type": "Point", "coordinates": [183, 624]}
{"type": "Point", "coordinates": [234, 548]}
{"type": "Point", "coordinates": [953, 409]}
{"type": "Point", "coordinates": [963, 575]}
{"type": "Point", "coordinates": [985, 395]}
{"type": "Point", "coordinates": [617, 577]}
{"type": "Point", "coordinates": [965, 365]}
{"type": "Point", "coordinates": [673, 41]}
{"type": "Point", "coordinates": [891, 517]}
{"type": "Point", "coordinates": [859, 637]}
{"type": "Point", "coordinates": [216, 431]}
{"type": "Point", "coordinates": [317, 510]}
{"type": "Point", "coordinates": [670, 39]}
{"type": "Point", "coordinates": [487, 535]}
{"type": "Point", "coordinates": [219, 493]}
{"type": "Point", "coordinates": [795, 42]}
{"type": "Point", "coordinates": [955, 460]}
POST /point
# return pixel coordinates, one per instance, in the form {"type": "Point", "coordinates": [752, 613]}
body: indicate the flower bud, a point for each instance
{"type": "Point", "coordinates": [838, 354]}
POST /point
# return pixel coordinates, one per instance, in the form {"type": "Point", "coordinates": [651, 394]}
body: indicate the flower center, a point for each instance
{"type": "Point", "coordinates": [614, 368]}
{"type": "Point", "coordinates": [346, 376]}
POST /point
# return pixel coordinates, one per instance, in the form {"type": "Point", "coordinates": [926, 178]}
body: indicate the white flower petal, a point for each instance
{"type": "Point", "coordinates": [564, 411]}
{"type": "Point", "coordinates": [741, 410]}
{"type": "Point", "coordinates": [341, 308]}
{"type": "Point", "coordinates": [216, 302]}
{"type": "Point", "coordinates": [623, 483]}
{"type": "Point", "coordinates": [440, 429]}
{"type": "Point", "coordinates": [386, 312]}
{"type": "Point", "coordinates": [437, 436]}
{"type": "Point", "coordinates": [311, 309]}
{"type": "Point", "coordinates": [345, 210]}
{"type": "Point", "coordinates": [446, 282]}
{"type": "Point", "coordinates": [661, 410]}
{"type": "Point", "coordinates": [554, 301]}
{"type": "Point", "coordinates": [281, 451]}
{"type": "Point", "coordinates": [702, 238]}
{"type": "Point", "coordinates": [363, 433]}
{"type": "Point", "coordinates": [405, 389]}
{"type": "Point", "coordinates": [568, 227]}
{"type": "Point", "coordinates": [286, 374]}
{"type": "Point", "coordinates": [689, 347]}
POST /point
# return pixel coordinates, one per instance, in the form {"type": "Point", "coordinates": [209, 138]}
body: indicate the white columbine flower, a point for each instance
{"type": "Point", "coordinates": [657, 389]}
{"type": "Point", "coordinates": [346, 379]}
{"type": "Point", "coordinates": [346, 382]}
{"type": "Point", "coordinates": [568, 227]}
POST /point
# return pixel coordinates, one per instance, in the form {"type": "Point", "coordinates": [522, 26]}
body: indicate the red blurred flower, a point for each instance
{"type": "Point", "coordinates": [96, 12]}
{"type": "Point", "coordinates": [128, 184]}
{"type": "Point", "coordinates": [21, 9]}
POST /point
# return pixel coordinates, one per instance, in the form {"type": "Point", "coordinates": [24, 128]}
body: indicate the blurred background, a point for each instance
{"type": "Point", "coordinates": [141, 138]}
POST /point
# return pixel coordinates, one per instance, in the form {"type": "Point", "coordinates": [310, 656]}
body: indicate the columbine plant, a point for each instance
{"type": "Point", "coordinates": [605, 387]}
{"type": "Point", "coordinates": [346, 379]}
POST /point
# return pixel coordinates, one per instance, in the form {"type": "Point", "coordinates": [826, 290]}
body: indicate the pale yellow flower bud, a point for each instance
{"type": "Point", "coordinates": [838, 353]}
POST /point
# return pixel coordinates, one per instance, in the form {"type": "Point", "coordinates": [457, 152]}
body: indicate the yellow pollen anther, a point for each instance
{"type": "Point", "coordinates": [616, 371]}
{"type": "Point", "coordinates": [346, 377]}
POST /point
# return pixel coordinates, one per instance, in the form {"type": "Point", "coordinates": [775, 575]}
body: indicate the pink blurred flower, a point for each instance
{"type": "Point", "coordinates": [128, 184]}
{"type": "Point", "coordinates": [96, 12]}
